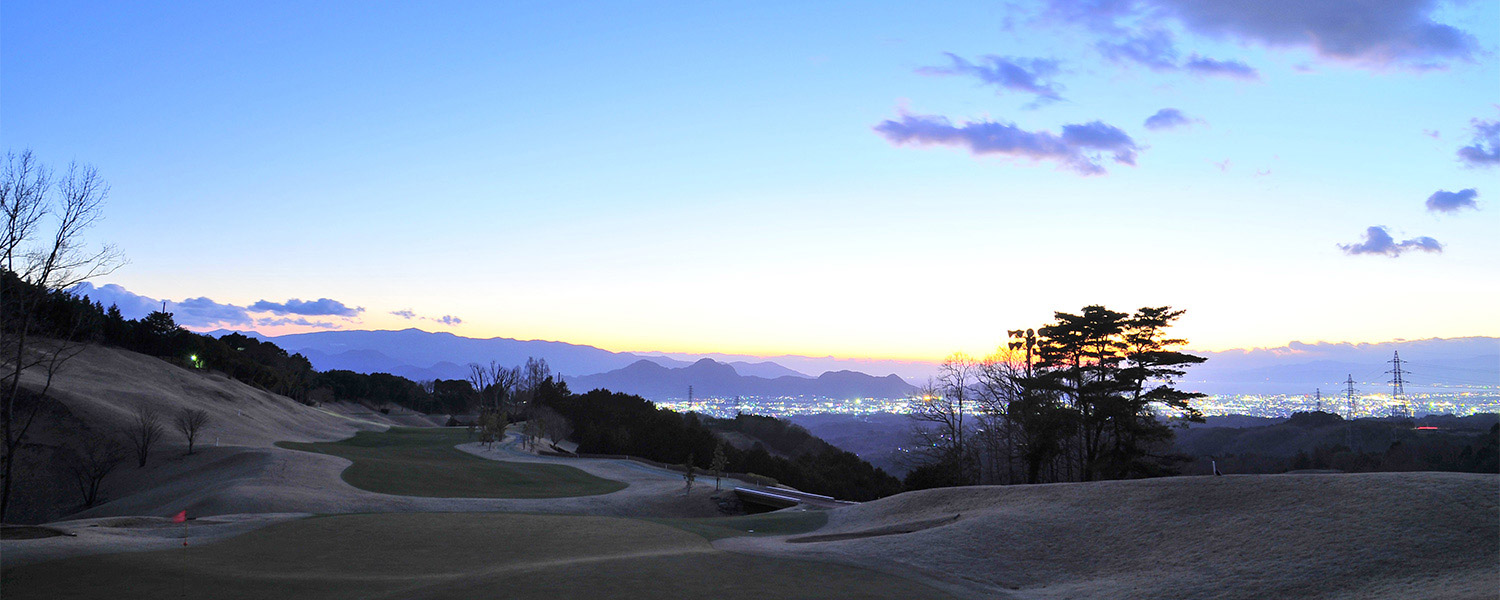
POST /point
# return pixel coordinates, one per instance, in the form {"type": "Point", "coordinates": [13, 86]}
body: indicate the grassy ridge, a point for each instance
{"type": "Point", "coordinates": [452, 555]}
{"type": "Point", "coordinates": [410, 461]}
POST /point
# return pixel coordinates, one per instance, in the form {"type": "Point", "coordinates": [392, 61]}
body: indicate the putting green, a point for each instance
{"type": "Point", "coordinates": [411, 461]}
{"type": "Point", "coordinates": [452, 555]}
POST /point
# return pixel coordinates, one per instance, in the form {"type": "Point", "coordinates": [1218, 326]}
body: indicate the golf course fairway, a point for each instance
{"type": "Point", "coordinates": [410, 461]}
{"type": "Point", "coordinates": [453, 555]}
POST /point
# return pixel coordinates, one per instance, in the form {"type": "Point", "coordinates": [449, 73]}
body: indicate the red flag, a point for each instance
{"type": "Point", "coordinates": [179, 517]}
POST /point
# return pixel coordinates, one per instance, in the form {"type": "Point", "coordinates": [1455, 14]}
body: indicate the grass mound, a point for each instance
{"type": "Point", "coordinates": [453, 555]}
{"type": "Point", "coordinates": [410, 461]}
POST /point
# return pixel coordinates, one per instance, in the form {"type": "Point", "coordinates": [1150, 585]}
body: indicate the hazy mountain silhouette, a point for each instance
{"type": "Point", "coordinates": [712, 378]}
{"type": "Point", "coordinates": [1292, 369]}
{"type": "Point", "coordinates": [418, 354]}
{"type": "Point", "coordinates": [1300, 368]}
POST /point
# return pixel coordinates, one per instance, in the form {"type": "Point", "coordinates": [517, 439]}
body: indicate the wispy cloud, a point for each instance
{"type": "Point", "coordinates": [1485, 149]}
{"type": "Point", "coordinates": [299, 321]}
{"type": "Point", "coordinates": [410, 314]}
{"type": "Point", "coordinates": [1026, 75]}
{"type": "Point", "coordinates": [1378, 240]}
{"type": "Point", "coordinates": [1201, 65]}
{"type": "Point", "coordinates": [1448, 202]}
{"type": "Point", "coordinates": [1167, 118]}
{"type": "Point", "coordinates": [1079, 147]}
{"type": "Point", "coordinates": [1156, 49]}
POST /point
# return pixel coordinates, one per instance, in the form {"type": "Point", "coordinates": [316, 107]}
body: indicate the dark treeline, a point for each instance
{"type": "Point", "coordinates": [613, 423]}
{"type": "Point", "coordinates": [1075, 400]}
{"type": "Point", "coordinates": [67, 316]}
{"type": "Point", "coordinates": [1325, 441]}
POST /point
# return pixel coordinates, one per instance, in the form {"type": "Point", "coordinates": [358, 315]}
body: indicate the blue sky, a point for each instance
{"type": "Point", "coordinates": [719, 176]}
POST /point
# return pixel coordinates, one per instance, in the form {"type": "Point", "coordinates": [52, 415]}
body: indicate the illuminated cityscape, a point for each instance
{"type": "Point", "coordinates": [1460, 403]}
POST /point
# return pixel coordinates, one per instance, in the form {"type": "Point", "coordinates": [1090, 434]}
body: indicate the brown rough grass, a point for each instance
{"type": "Point", "coordinates": [1382, 535]}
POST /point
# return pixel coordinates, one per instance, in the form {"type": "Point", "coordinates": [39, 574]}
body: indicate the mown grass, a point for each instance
{"type": "Point", "coordinates": [412, 461]}
{"type": "Point", "coordinates": [766, 524]}
{"type": "Point", "coordinates": [452, 555]}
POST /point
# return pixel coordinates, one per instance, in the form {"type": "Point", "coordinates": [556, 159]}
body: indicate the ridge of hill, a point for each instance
{"type": "Point", "coordinates": [710, 378]}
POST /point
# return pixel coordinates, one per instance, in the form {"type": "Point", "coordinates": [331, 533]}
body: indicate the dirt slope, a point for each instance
{"type": "Point", "coordinates": [1384, 535]}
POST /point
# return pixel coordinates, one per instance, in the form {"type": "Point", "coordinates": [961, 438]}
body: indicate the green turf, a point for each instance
{"type": "Point", "coordinates": [452, 555]}
{"type": "Point", "coordinates": [411, 461]}
{"type": "Point", "coordinates": [775, 523]}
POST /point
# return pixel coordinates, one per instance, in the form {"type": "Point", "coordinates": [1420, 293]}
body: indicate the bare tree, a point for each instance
{"type": "Point", "coordinates": [190, 421]}
{"type": "Point", "coordinates": [557, 426]}
{"type": "Point", "coordinates": [92, 458]}
{"type": "Point", "coordinates": [42, 253]}
{"type": "Point", "coordinates": [495, 384]}
{"type": "Point", "coordinates": [939, 414]}
{"type": "Point", "coordinates": [144, 432]}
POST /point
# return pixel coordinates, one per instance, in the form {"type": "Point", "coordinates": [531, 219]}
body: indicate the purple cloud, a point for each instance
{"type": "Point", "coordinates": [1485, 151]}
{"type": "Point", "coordinates": [1378, 240]}
{"type": "Point", "coordinates": [1375, 33]}
{"type": "Point", "coordinates": [1016, 74]}
{"type": "Point", "coordinates": [314, 308]}
{"type": "Point", "coordinates": [1167, 118]}
{"type": "Point", "coordinates": [1157, 50]}
{"type": "Point", "coordinates": [1201, 65]}
{"type": "Point", "coordinates": [1154, 49]}
{"type": "Point", "coordinates": [1076, 148]}
{"type": "Point", "coordinates": [1444, 201]}
{"type": "Point", "coordinates": [411, 314]}
{"type": "Point", "coordinates": [302, 321]}
{"type": "Point", "coordinates": [197, 313]}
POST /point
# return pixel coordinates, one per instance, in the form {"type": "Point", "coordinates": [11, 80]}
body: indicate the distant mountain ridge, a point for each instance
{"type": "Point", "coordinates": [1297, 368]}
{"type": "Point", "coordinates": [710, 378]}
{"type": "Point", "coordinates": [420, 355]}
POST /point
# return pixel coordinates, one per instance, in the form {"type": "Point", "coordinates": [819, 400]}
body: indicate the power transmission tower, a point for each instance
{"type": "Point", "coordinates": [1319, 399]}
{"type": "Point", "coordinates": [1349, 415]}
{"type": "Point", "coordinates": [1399, 406]}
{"type": "Point", "coordinates": [1349, 394]}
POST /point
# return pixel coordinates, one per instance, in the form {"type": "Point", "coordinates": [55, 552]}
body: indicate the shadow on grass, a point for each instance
{"type": "Point", "coordinates": [457, 556]}
{"type": "Point", "coordinates": [412, 461]}
{"type": "Point", "coordinates": [783, 522]}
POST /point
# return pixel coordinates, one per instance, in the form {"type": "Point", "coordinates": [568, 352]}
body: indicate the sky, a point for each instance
{"type": "Point", "coordinates": [860, 180]}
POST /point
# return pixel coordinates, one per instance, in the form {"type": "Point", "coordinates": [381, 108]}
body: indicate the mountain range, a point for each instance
{"type": "Point", "coordinates": [1297, 368]}
{"type": "Point", "coordinates": [710, 378]}
{"type": "Point", "coordinates": [420, 355]}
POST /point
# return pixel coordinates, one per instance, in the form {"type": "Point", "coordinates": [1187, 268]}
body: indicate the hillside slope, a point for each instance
{"type": "Point", "coordinates": [1379, 535]}
{"type": "Point", "coordinates": [100, 390]}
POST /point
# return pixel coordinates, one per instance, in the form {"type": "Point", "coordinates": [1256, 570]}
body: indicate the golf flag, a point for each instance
{"type": "Point", "coordinates": [179, 517]}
